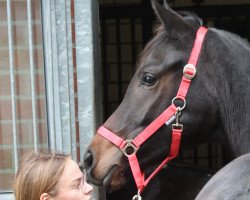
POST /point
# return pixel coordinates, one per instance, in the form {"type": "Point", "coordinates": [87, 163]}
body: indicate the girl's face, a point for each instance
{"type": "Point", "coordinates": [72, 185]}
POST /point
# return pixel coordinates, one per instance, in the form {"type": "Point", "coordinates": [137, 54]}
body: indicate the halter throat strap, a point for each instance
{"type": "Point", "coordinates": [166, 117]}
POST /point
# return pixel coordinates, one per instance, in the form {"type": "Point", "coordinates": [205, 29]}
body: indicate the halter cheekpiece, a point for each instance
{"type": "Point", "coordinates": [129, 147]}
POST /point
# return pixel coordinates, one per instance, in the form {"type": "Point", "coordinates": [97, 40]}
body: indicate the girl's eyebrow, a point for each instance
{"type": "Point", "coordinates": [77, 180]}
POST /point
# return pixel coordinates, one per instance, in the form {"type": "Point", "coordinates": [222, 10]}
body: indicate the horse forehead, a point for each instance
{"type": "Point", "coordinates": [161, 58]}
{"type": "Point", "coordinates": [156, 49]}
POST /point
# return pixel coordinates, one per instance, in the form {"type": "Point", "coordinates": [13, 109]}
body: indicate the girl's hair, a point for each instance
{"type": "Point", "coordinates": [39, 173]}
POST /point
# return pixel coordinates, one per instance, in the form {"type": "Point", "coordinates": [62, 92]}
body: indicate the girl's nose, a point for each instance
{"type": "Point", "coordinates": [88, 188]}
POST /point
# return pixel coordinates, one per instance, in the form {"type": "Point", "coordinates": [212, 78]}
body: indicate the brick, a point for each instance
{"type": "Point", "coordinates": [6, 136]}
{"type": "Point", "coordinates": [21, 58]}
{"type": "Point", "coordinates": [4, 62]}
{"type": "Point", "coordinates": [22, 84]}
{"type": "Point", "coordinates": [3, 12]}
{"type": "Point", "coordinates": [73, 32]}
{"type": "Point", "coordinates": [24, 131]}
{"type": "Point", "coordinates": [43, 133]}
{"type": "Point", "coordinates": [23, 109]}
{"type": "Point", "coordinates": [6, 180]}
{"type": "Point", "coordinates": [40, 84]}
{"type": "Point", "coordinates": [20, 35]}
{"type": "Point", "coordinates": [19, 10]}
{"type": "Point", "coordinates": [5, 109]}
{"type": "Point", "coordinates": [25, 134]}
{"type": "Point", "coordinates": [72, 9]}
{"type": "Point", "coordinates": [6, 156]}
{"type": "Point", "coordinates": [4, 85]}
{"type": "Point", "coordinates": [74, 56]}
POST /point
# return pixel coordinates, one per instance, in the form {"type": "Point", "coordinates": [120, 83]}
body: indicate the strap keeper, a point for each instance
{"type": "Point", "coordinates": [189, 71]}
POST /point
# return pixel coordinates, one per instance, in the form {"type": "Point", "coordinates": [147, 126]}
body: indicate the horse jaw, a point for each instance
{"type": "Point", "coordinates": [107, 167]}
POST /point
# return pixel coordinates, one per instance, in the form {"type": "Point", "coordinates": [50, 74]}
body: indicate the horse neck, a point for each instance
{"type": "Point", "coordinates": [233, 86]}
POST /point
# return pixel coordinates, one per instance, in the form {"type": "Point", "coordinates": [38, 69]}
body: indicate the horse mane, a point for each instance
{"type": "Point", "coordinates": [243, 42]}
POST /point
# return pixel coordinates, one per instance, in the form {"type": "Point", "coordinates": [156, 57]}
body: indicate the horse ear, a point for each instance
{"type": "Point", "coordinates": [174, 24]}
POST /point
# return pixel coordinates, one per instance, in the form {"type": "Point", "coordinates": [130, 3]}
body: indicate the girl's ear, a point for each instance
{"type": "Point", "coordinates": [45, 196]}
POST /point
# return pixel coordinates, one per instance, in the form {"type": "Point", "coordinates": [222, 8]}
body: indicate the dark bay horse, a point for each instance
{"type": "Point", "coordinates": [217, 104]}
{"type": "Point", "coordinates": [232, 182]}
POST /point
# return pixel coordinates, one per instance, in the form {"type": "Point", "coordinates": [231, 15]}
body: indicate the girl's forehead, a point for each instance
{"type": "Point", "coordinates": [71, 172]}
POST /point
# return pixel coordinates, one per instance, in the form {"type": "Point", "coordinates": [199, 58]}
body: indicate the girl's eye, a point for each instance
{"type": "Point", "coordinates": [148, 79]}
{"type": "Point", "coordinates": [79, 185]}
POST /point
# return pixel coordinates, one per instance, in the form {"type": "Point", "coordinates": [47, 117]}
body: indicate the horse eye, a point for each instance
{"type": "Point", "coordinates": [148, 79]}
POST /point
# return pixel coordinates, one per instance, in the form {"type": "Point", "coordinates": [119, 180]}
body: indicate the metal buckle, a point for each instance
{"type": "Point", "coordinates": [187, 68]}
{"type": "Point", "coordinates": [177, 125]}
{"type": "Point", "coordinates": [129, 149]}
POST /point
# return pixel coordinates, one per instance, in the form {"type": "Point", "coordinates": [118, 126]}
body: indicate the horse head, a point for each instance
{"type": "Point", "coordinates": [151, 90]}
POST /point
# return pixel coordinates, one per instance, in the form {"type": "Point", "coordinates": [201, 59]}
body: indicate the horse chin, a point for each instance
{"type": "Point", "coordinates": [112, 181]}
{"type": "Point", "coordinates": [108, 178]}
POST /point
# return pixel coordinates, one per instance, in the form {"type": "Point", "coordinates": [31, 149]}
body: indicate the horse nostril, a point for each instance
{"type": "Point", "coordinates": [88, 160]}
{"type": "Point", "coordinates": [89, 164]}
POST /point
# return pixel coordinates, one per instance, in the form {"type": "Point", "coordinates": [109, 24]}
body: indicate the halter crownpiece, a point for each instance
{"type": "Point", "coordinates": [129, 147]}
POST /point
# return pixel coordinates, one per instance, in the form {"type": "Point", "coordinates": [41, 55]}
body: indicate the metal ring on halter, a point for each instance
{"type": "Point", "coordinates": [184, 103]}
{"type": "Point", "coordinates": [129, 149]}
{"type": "Point", "coordinates": [138, 196]}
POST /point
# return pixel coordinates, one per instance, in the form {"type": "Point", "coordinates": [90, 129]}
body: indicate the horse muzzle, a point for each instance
{"type": "Point", "coordinates": [89, 164]}
{"type": "Point", "coordinates": [102, 173]}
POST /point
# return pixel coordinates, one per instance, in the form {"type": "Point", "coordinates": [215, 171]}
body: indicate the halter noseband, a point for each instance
{"type": "Point", "coordinates": [130, 147]}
